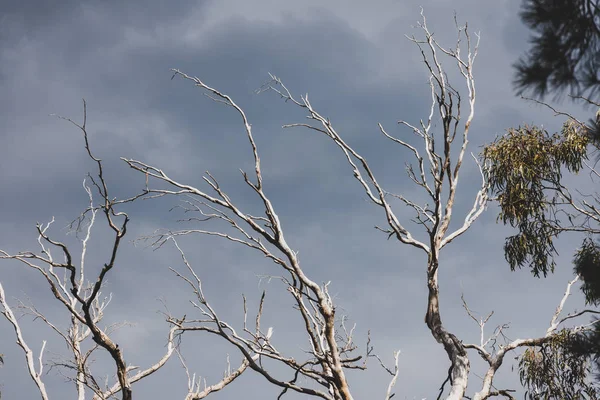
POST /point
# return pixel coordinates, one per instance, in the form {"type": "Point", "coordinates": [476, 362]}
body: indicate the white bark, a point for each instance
{"type": "Point", "coordinates": [264, 234]}
{"type": "Point", "coordinates": [437, 175]}
{"type": "Point", "coordinates": [495, 359]}
{"type": "Point", "coordinates": [34, 371]}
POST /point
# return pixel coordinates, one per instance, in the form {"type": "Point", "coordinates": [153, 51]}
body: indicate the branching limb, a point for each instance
{"type": "Point", "coordinates": [265, 234]}
{"type": "Point", "coordinates": [197, 391]}
{"type": "Point", "coordinates": [34, 371]}
{"type": "Point", "coordinates": [82, 299]}
{"type": "Point", "coordinates": [495, 360]}
{"type": "Point", "coordinates": [367, 180]}
{"type": "Point", "coordinates": [258, 344]}
{"type": "Point", "coordinates": [439, 178]}
{"type": "Point", "coordinates": [389, 394]}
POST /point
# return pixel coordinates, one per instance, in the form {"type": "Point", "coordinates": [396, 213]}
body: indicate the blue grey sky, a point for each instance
{"type": "Point", "coordinates": [358, 68]}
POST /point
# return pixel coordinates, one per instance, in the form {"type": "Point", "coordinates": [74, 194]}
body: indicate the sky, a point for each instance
{"type": "Point", "coordinates": [357, 66]}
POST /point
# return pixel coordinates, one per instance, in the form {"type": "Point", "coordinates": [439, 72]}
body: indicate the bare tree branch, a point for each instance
{"type": "Point", "coordinates": [83, 300]}
{"type": "Point", "coordinates": [34, 372]}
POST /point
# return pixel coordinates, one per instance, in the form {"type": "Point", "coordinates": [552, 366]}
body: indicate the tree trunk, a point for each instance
{"type": "Point", "coordinates": [456, 352]}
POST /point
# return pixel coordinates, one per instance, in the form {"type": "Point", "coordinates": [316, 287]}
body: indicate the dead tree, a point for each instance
{"type": "Point", "coordinates": [82, 298]}
{"type": "Point", "coordinates": [435, 170]}
{"type": "Point", "coordinates": [436, 173]}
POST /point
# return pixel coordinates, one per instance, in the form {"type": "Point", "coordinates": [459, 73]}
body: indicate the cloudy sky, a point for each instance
{"type": "Point", "coordinates": [358, 68]}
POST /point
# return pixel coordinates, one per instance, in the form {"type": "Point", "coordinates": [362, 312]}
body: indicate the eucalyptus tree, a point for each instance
{"type": "Point", "coordinates": [527, 168]}
{"type": "Point", "coordinates": [562, 58]}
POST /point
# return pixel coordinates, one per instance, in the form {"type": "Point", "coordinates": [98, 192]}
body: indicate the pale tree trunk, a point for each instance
{"type": "Point", "coordinates": [435, 171]}
{"type": "Point", "coordinates": [459, 369]}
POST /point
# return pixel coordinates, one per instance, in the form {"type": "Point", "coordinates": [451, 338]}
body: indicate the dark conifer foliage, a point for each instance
{"type": "Point", "coordinates": [587, 264]}
{"type": "Point", "coordinates": [564, 55]}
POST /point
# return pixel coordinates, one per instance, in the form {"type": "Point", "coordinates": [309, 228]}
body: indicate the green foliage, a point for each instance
{"type": "Point", "coordinates": [525, 171]}
{"type": "Point", "coordinates": [552, 371]}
